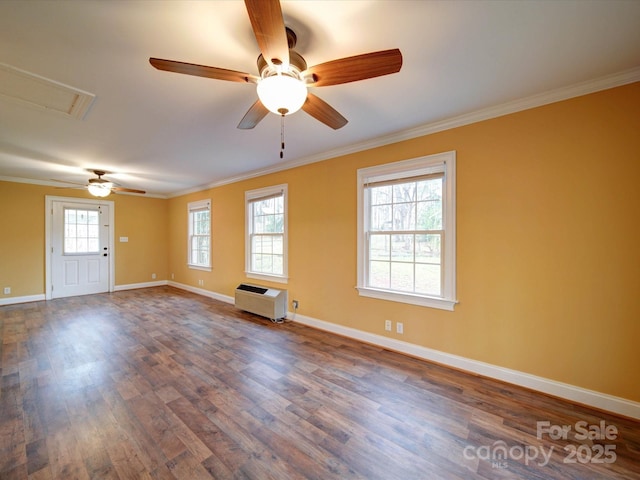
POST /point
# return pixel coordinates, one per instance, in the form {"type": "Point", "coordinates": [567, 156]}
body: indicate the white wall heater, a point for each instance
{"type": "Point", "coordinates": [264, 301]}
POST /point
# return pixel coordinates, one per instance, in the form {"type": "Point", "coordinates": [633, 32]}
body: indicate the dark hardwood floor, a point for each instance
{"type": "Point", "coordinates": [160, 383]}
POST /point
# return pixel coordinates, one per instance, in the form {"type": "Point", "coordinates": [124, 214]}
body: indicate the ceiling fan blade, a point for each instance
{"type": "Point", "coordinates": [253, 116]}
{"type": "Point", "coordinates": [202, 70]}
{"type": "Point", "coordinates": [268, 27]}
{"type": "Point", "coordinates": [323, 112]}
{"type": "Point", "coordinates": [128, 190]}
{"type": "Point", "coordinates": [358, 67]}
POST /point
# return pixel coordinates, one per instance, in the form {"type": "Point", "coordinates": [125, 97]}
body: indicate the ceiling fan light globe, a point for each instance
{"type": "Point", "coordinates": [99, 190]}
{"type": "Point", "coordinates": [282, 93]}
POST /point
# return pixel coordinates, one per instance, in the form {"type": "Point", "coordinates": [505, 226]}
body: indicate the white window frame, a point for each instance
{"type": "Point", "coordinates": [193, 207]}
{"type": "Point", "coordinates": [441, 162]}
{"type": "Point", "coordinates": [250, 197]}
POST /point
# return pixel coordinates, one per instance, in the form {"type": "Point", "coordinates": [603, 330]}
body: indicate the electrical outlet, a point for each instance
{"type": "Point", "coordinates": [172, 276]}
{"type": "Point", "coordinates": [295, 304]}
{"type": "Point", "coordinates": [387, 325]}
{"type": "Point", "coordinates": [7, 290]}
{"type": "Point", "coordinates": [400, 328]}
{"type": "Point", "coordinates": [153, 276]}
{"type": "Point", "coordinates": [201, 283]}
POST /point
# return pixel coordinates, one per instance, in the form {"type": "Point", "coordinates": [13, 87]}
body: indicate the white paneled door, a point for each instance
{"type": "Point", "coordinates": [79, 248]}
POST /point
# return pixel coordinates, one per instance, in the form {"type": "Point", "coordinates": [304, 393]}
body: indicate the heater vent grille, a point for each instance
{"type": "Point", "coordinates": [253, 288]}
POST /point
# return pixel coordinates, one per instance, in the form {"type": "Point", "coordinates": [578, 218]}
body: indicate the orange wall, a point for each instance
{"type": "Point", "coordinates": [145, 222]}
{"type": "Point", "coordinates": [548, 206]}
{"type": "Point", "coordinates": [22, 237]}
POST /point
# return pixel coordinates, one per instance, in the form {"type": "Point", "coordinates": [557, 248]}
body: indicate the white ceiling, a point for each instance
{"type": "Point", "coordinates": [167, 133]}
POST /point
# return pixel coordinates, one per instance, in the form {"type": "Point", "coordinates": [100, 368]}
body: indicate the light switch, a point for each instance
{"type": "Point", "coordinates": [124, 239]}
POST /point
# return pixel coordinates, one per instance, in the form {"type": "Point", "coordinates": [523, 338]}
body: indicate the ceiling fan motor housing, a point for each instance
{"type": "Point", "coordinates": [295, 59]}
{"type": "Point", "coordinates": [99, 180]}
{"type": "Point", "coordinates": [297, 64]}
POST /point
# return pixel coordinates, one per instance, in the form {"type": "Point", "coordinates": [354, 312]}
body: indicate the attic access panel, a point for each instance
{"type": "Point", "coordinates": [22, 86]}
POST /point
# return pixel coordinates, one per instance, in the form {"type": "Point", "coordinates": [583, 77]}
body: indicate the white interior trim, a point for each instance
{"type": "Point", "coordinates": [134, 286]}
{"type": "Point", "coordinates": [53, 183]}
{"type": "Point", "coordinates": [444, 163]}
{"type": "Point", "coordinates": [202, 291]}
{"type": "Point", "coordinates": [49, 199]}
{"type": "Point", "coordinates": [583, 396]}
{"type": "Point", "coordinates": [24, 299]}
{"type": "Point", "coordinates": [590, 398]}
{"type": "Point", "coordinates": [557, 95]}
{"type": "Point", "coordinates": [251, 196]}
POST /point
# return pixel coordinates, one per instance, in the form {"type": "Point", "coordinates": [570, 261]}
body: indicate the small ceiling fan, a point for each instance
{"type": "Point", "coordinates": [100, 187]}
{"type": "Point", "coordinates": [283, 73]}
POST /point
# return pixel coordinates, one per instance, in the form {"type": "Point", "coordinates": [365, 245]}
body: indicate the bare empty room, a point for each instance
{"type": "Point", "coordinates": [321, 239]}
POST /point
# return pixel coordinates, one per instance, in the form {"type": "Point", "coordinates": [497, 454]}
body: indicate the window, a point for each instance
{"type": "Point", "coordinates": [200, 235]}
{"type": "Point", "coordinates": [81, 231]}
{"type": "Point", "coordinates": [266, 242]}
{"type": "Point", "coordinates": [406, 231]}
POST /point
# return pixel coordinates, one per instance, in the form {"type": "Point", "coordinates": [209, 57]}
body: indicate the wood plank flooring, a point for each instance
{"type": "Point", "coordinates": [163, 384]}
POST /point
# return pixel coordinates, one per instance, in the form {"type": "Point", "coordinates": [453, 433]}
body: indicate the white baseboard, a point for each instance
{"type": "Point", "coordinates": [602, 401]}
{"type": "Point", "coordinates": [591, 398]}
{"type": "Point", "coordinates": [25, 299]}
{"type": "Point", "coordinates": [202, 291]}
{"type": "Point", "coordinates": [133, 286]}
{"type": "Point", "coordinates": [116, 288]}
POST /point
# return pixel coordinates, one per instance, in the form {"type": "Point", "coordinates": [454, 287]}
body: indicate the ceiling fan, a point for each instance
{"type": "Point", "coordinates": [100, 187]}
{"type": "Point", "coordinates": [283, 73]}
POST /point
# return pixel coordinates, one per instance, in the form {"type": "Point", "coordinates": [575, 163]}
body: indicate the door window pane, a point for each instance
{"type": "Point", "coordinates": [81, 231]}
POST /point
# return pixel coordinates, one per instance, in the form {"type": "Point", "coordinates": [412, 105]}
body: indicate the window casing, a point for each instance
{"type": "Point", "coordinates": [199, 254]}
{"type": "Point", "coordinates": [406, 231]}
{"type": "Point", "coordinates": [266, 233]}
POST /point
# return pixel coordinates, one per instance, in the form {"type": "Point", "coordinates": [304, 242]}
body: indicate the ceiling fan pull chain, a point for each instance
{"type": "Point", "coordinates": [282, 136]}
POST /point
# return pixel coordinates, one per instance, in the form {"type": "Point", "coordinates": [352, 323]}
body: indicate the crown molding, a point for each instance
{"type": "Point", "coordinates": [53, 183]}
{"type": "Point", "coordinates": [552, 96]}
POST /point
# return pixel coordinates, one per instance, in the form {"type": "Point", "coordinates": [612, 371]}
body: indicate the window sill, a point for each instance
{"type": "Point", "coordinates": [432, 302]}
{"type": "Point", "coordinates": [266, 277]}
{"type": "Point", "coordinates": [199, 267]}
